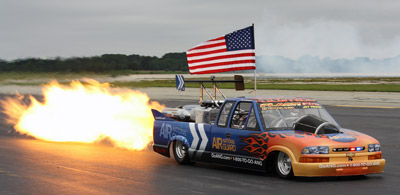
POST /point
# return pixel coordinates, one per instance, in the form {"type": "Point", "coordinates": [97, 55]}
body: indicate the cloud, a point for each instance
{"type": "Point", "coordinates": [329, 28]}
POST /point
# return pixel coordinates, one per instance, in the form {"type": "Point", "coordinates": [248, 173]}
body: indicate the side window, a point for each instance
{"type": "Point", "coordinates": [252, 121]}
{"type": "Point", "coordinates": [244, 117]}
{"type": "Point", "coordinates": [223, 118]}
{"type": "Point", "coordinates": [273, 119]}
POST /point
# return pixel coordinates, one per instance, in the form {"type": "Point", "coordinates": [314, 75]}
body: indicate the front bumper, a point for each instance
{"type": "Point", "coordinates": [339, 167]}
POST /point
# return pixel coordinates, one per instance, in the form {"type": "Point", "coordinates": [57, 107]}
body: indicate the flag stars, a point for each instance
{"type": "Point", "coordinates": [241, 39]}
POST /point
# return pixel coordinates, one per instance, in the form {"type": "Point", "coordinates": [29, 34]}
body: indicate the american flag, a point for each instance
{"type": "Point", "coordinates": [234, 51]}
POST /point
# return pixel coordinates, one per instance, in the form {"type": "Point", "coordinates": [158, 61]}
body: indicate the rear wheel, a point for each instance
{"type": "Point", "coordinates": [283, 165]}
{"type": "Point", "coordinates": [181, 152]}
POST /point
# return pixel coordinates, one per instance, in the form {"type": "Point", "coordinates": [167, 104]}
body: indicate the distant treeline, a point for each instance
{"type": "Point", "coordinates": [103, 63]}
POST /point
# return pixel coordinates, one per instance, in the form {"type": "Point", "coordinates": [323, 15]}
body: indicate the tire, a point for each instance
{"type": "Point", "coordinates": [181, 153]}
{"type": "Point", "coordinates": [283, 166]}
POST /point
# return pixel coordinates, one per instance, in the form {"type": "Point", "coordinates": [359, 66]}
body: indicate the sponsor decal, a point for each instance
{"type": "Point", "coordinates": [310, 105]}
{"type": "Point", "coordinates": [161, 118]}
{"type": "Point", "coordinates": [280, 104]}
{"type": "Point", "coordinates": [237, 159]}
{"type": "Point", "coordinates": [167, 131]}
{"type": "Point", "coordinates": [220, 156]}
{"type": "Point", "coordinates": [350, 165]}
{"type": "Point", "coordinates": [278, 108]}
{"type": "Point", "coordinates": [287, 100]}
{"type": "Point", "coordinates": [247, 161]}
{"type": "Point", "coordinates": [225, 144]}
{"type": "Point", "coordinates": [289, 105]}
{"type": "Point", "coordinates": [341, 138]}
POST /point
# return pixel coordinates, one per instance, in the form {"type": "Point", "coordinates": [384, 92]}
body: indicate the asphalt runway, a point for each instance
{"type": "Point", "coordinates": [29, 166]}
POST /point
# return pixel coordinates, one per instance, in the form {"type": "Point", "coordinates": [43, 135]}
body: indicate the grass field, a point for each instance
{"type": "Point", "coordinates": [276, 86]}
{"type": "Point", "coordinates": [378, 84]}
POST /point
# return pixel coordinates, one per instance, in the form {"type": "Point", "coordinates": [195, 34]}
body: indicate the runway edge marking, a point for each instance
{"type": "Point", "coordinates": [359, 106]}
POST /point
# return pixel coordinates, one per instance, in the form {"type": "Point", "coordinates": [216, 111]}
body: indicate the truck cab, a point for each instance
{"type": "Point", "coordinates": [215, 141]}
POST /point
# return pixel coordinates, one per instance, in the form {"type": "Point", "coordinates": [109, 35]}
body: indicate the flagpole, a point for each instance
{"type": "Point", "coordinates": [255, 77]}
{"type": "Point", "coordinates": [255, 82]}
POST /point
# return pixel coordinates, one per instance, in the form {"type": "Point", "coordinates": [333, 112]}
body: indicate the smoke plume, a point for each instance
{"type": "Point", "coordinates": [323, 46]}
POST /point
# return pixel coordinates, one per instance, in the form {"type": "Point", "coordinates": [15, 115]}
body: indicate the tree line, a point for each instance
{"type": "Point", "coordinates": [103, 63]}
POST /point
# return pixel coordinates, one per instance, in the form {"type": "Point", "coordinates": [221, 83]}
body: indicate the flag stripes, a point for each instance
{"type": "Point", "coordinates": [234, 51]}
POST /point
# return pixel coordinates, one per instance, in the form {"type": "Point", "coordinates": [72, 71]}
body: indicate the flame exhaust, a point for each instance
{"type": "Point", "coordinates": [90, 112]}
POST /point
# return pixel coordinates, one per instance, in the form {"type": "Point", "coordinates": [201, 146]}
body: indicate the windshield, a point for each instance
{"type": "Point", "coordinates": [283, 115]}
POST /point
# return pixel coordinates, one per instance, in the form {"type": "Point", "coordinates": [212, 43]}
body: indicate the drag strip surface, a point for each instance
{"type": "Point", "coordinates": [29, 166]}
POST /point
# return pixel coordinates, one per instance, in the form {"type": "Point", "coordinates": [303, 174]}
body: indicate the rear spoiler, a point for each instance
{"type": "Point", "coordinates": [237, 79]}
{"type": "Point", "coordinates": [160, 116]}
{"type": "Point", "coordinates": [239, 86]}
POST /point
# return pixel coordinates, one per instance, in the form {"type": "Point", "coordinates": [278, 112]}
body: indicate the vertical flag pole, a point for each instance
{"type": "Point", "coordinates": [255, 75]}
{"type": "Point", "coordinates": [255, 82]}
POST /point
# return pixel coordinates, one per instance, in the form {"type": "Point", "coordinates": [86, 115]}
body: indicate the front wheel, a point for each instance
{"type": "Point", "coordinates": [283, 165]}
{"type": "Point", "coordinates": [181, 152]}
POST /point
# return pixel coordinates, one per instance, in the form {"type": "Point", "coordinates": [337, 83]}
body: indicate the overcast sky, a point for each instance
{"type": "Point", "coordinates": [324, 28]}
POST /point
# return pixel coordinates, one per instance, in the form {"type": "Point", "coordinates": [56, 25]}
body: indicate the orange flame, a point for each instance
{"type": "Point", "coordinates": [257, 146]}
{"type": "Point", "coordinates": [87, 113]}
